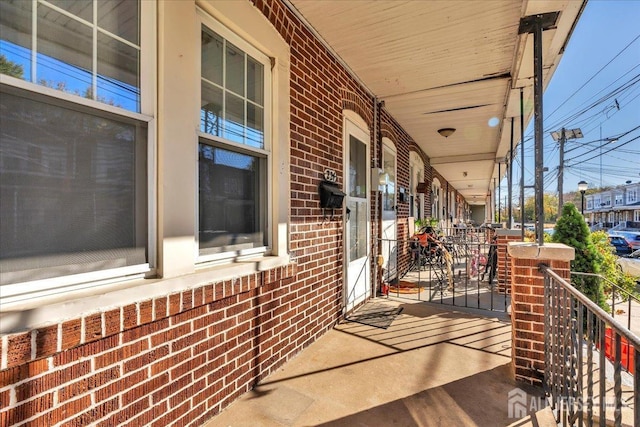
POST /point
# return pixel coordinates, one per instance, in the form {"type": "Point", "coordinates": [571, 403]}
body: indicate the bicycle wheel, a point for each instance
{"type": "Point", "coordinates": [472, 271]}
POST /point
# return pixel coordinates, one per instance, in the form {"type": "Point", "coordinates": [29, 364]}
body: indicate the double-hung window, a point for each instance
{"type": "Point", "coordinates": [233, 147]}
{"type": "Point", "coordinates": [73, 143]}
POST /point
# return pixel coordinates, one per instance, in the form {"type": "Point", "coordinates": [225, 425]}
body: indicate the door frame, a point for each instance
{"type": "Point", "coordinates": [354, 125]}
{"type": "Point", "coordinates": [389, 147]}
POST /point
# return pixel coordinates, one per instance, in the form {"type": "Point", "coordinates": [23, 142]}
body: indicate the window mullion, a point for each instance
{"type": "Point", "coordinates": [94, 53]}
{"type": "Point", "coordinates": [222, 129]}
{"type": "Point", "coordinates": [34, 40]}
{"type": "Point", "coordinates": [245, 100]}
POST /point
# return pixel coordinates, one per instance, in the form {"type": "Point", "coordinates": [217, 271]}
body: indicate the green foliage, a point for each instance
{"type": "Point", "coordinates": [550, 207]}
{"type": "Point", "coordinates": [530, 236]}
{"type": "Point", "coordinates": [609, 268]}
{"type": "Point", "coordinates": [573, 231]}
{"type": "Point", "coordinates": [10, 68]}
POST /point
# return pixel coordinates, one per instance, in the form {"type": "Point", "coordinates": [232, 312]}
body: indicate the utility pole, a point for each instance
{"type": "Point", "coordinates": [561, 173]}
{"type": "Point", "coordinates": [562, 137]}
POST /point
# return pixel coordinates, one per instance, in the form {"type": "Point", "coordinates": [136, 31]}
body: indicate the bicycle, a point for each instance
{"type": "Point", "coordinates": [477, 265]}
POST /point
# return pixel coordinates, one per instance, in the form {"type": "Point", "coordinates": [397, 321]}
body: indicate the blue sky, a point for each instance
{"type": "Point", "coordinates": [601, 66]}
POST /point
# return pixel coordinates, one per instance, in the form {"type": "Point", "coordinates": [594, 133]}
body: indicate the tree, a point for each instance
{"type": "Point", "coordinates": [609, 268]}
{"type": "Point", "coordinates": [573, 231]}
{"type": "Point", "coordinates": [10, 68]}
{"type": "Point", "coordinates": [549, 207]}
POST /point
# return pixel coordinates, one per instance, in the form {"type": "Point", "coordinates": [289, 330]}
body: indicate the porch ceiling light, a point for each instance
{"type": "Point", "coordinates": [446, 132]}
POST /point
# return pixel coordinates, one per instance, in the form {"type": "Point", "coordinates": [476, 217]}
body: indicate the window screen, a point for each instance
{"type": "Point", "coordinates": [73, 189]}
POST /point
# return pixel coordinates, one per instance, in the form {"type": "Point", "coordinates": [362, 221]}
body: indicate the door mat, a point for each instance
{"type": "Point", "coordinates": [404, 287]}
{"type": "Point", "coordinates": [376, 315]}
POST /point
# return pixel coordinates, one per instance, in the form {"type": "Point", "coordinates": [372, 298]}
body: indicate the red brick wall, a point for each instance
{"type": "Point", "coordinates": [181, 357]}
{"type": "Point", "coordinates": [504, 260]}
{"type": "Point", "coordinates": [527, 316]}
{"type": "Point", "coordinates": [404, 145]}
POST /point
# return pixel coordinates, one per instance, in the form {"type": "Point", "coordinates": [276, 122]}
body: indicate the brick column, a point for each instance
{"type": "Point", "coordinates": [504, 260]}
{"type": "Point", "coordinates": [527, 303]}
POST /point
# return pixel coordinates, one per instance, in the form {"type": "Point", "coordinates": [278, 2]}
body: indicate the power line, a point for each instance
{"type": "Point", "coordinates": [611, 149]}
{"type": "Point", "coordinates": [594, 76]}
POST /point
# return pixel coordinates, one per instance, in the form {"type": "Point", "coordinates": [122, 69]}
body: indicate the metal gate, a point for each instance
{"type": "Point", "coordinates": [460, 267]}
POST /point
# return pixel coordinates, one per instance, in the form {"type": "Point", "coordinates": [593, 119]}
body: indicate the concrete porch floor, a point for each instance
{"type": "Point", "coordinates": [433, 366]}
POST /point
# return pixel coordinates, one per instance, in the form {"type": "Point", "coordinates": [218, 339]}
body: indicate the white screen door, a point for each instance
{"type": "Point", "coordinates": [357, 275]}
{"type": "Point", "coordinates": [389, 201]}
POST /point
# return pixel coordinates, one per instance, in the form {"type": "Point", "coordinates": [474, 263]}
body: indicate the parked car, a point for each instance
{"type": "Point", "coordinates": [630, 263]}
{"type": "Point", "coordinates": [620, 244]}
{"type": "Point", "coordinates": [632, 237]}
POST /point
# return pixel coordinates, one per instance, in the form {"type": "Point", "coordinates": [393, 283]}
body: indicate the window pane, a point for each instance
{"type": "Point", "coordinates": [80, 8]}
{"type": "Point", "coordinates": [234, 123]}
{"type": "Point", "coordinates": [231, 208]}
{"type": "Point", "coordinates": [120, 17]}
{"type": "Point", "coordinates": [255, 126]}
{"type": "Point", "coordinates": [211, 111]}
{"type": "Point", "coordinates": [255, 81]}
{"type": "Point", "coordinates": [212, 45]}
{"type": "Point", "coordinates": [15, 39]}
{"type": "Point", "coordinates": [72, 191]}
{"type": "Point", "coordinates": [235, 69]}
{"type": "Point", "coordinates": [357, 166]}
{"type": "Point", "coordinates": [64, 53]}
{"type": "Point", "coordinates": [389, 187]}
{"type": "Point", "coordinates": [118, 73]}
{"type": "Point", "coordinates": [357, 230]}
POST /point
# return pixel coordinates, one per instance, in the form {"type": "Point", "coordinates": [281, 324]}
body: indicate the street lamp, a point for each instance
{"type": "Point", "coordinates": [582, 187]}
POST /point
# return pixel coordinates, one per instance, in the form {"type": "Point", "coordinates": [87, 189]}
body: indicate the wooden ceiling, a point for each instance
{"type": "Point", "coordinates": [446, 64]}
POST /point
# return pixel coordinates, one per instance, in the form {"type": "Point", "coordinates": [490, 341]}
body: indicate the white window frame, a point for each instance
{"type": "Point", "coordinates": [248, 27]}
{"type": "Point", "coordinates": [416, 166]}
{"type": "Point", "coordinates": [436, 199]}
{"type": "Point", "coordinates": [19, 294]}
{"type": "Point", "coordinates": [147, 13]}
{"type": "Point", "coordinates": [212, 24]}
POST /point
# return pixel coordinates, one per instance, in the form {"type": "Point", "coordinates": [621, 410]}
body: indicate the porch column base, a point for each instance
{"type": "Point", "coordinates": [527, 304]}
{"type": "Point", "coordinates": [504, 260]}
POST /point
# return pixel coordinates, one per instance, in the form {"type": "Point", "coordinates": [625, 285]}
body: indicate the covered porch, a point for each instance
{"type": "Point", "coordinates": [396, 362]}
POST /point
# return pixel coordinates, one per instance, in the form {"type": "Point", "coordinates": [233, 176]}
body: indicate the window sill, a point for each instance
{"type": "Point", "coordinates": [53, 309]}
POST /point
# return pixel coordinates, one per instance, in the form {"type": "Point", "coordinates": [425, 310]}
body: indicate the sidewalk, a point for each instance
{"type": "Point", "coordinates": [433, 366]}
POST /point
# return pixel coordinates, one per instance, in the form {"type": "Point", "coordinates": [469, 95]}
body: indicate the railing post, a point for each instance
{"type": "Point", "coordinates": [528, 304]}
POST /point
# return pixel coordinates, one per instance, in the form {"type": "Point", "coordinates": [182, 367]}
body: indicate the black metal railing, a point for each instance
{"type": "Point", "coordinates": [592, 362]}
{"type": "Point", "coordinates": [456, 269]}
{"type": "Point", "coordinates": [619, 299]}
